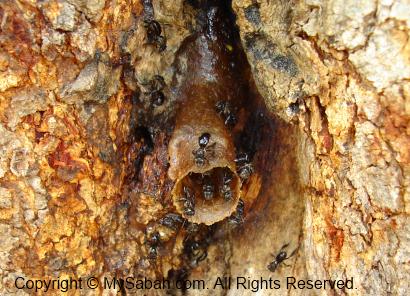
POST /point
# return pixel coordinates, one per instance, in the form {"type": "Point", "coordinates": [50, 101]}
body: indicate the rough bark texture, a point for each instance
{"type": "Point", "coordinates": [342, 69]}
{"type": "Point", "coordinates": [83, 152]}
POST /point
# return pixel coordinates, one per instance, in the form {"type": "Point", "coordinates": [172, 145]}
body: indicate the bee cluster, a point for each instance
{"type": "Point", "coordinates": [208, 191]}
{"type": "Point", "coordinates": [207, 186]}
{"type": "Point", "coordinates": [154, 31]}
{"type": "Point", "coordinates": [195, 243]}
{"type": "Point", "coordinates": [161, 231]}
{"type": "Point", "coordinates": [201, 155]}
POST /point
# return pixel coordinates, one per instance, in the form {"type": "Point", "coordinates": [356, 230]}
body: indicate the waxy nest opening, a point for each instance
{"type": "Point", "coordinates": [218, 207]}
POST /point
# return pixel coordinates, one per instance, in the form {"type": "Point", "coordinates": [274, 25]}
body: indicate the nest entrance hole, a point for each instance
{"type": "Point", "coordinates": [215, 193]}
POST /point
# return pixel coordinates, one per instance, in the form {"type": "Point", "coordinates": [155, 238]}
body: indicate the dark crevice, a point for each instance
{"type": "Point", "coordinates": [246, 118]}
{"type": "Point", "coordinates": [142, 135]}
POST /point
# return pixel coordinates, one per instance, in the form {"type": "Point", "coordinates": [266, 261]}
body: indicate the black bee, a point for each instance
{"type": "Point", "coordinates": [294, 108]}
{"type": "Point", "coordinates": [226, 191]}
{"type": "Point", "coordinates": [157, 98]}
{"type": "Point", "coordinates": [192, 228]}
{"type": "Point", "coordinates": [203, 140]}
{"type": "Point", "coordinates": [161, 43]}
{"type": "Point", "coordinates": [154, 31]}
{"type": "Point", "coordinates": [208, 188]}
{"type": "Point", "coordinates": [199, 156]}
{"type": "Point", "coordinates": [230, 119]}
{"type": "Point", "coordinates": [124, 59]}
{"type": "Point", "coordinates": [201, 153]}
{"type": "Point", "coordinates": [225, 110]}
{"type": "Point", "coordinates": [153, 241]}
{"type": "Point", "coordinates": [195, 251]}
{"type": "Point", "coordinates": [188, 200]}
{"type": "Point", "coordinates": [158, 82]}
{"type": "Point", "coordinates": [245, 168]}
{"type": "Point", "coordinates": [222, 107]}
{"type": "Point", "coordinates": [155, 87]}
{"type": "Point", "coordinates": [237, 217]}
{"type": "Point", "coordinates": [280, 257]}
{"type": "Point", "coordinates": [180, 276]}
{"type": "Point", "coordinates": [171, 220]}
{"type": "Point", "coordinates": [152, 252]}
{"type": "Point", "coordinates": [199, 253]}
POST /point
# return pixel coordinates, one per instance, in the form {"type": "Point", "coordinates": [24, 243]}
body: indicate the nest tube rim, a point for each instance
{"type": "Point", "coordinates": [208, 214]}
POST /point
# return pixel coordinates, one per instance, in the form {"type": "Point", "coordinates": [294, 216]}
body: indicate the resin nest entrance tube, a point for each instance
{"type": "Point", "coordinates": [202, 153]}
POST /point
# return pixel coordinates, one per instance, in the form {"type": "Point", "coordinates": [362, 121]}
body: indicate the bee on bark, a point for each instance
{"type": "Point", "coordinates": [188, 200]}
{"type": "Point", "coordinates": [155, 87]}
{"type": "Point", "coordinates": [237, 217]}
{"type": "Point", "coordinates": [171, 220]}
{"type": "Point", "coordinates": [157, 98]}
{"type": "Point", "coordinates": [204, 150]}
{"type": "Point", "coordinates": [161, 43]}
{"type": "Point", "coordinates": [180, 276]}
{"type": "Point", "coordinates": [154, 31]}
{"type": "Point", "coordinates": [152, 252]}
{"type": "Point", "coordinates": [195, 251]}
{"type": "Point", "coordinates": [245, 168]}
{"type": "Point", "coordinates": [226, 190]}
{"type": "Point", "coordinates": [280, 257]}
{"type": "Point", "coordinates": [192, 228]}
{"type": "Point", "coordinates": [153, 242]}
{"type": "Point", "coordinates": [158, 82]}
{"type": "Point", "coordinates": [225, 110]}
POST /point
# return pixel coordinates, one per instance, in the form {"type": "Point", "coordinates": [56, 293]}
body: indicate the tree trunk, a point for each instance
{"type": "Point", "coordinates": [319, 96]}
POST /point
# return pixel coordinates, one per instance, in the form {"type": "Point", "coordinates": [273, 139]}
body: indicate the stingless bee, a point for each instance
{"type": "Point", "coordinates": [226, 190]}
{"type": "Point", "coordinates": [188, 200]}
{"type": "Point", "coordinates": [245, 168]}
{"type": "Point", "coordinates": [280, 257]}
{"type": "Point", "coordinates": [153, 241]}
{"type": "Point", "coordinates": [237, 217]}
{"type": "Point", "coordinates": [155, 87]}
{"type": "Point", "coordinates": [154, 31]}
{"type": "Point", "coordinates": [208, 188]}
{"type": "Point", "coordinates": [204, 150]}
{"type": "Point", "coordinates": [225, 110]}
{"type": "Point", "coordinates": [171, 220]}
{"type": "Point", "coordinates": [196, 251]}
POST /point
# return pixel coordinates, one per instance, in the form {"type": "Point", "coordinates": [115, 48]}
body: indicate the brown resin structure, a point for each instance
{"type": "Point", "coordinates": [198, 116]}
